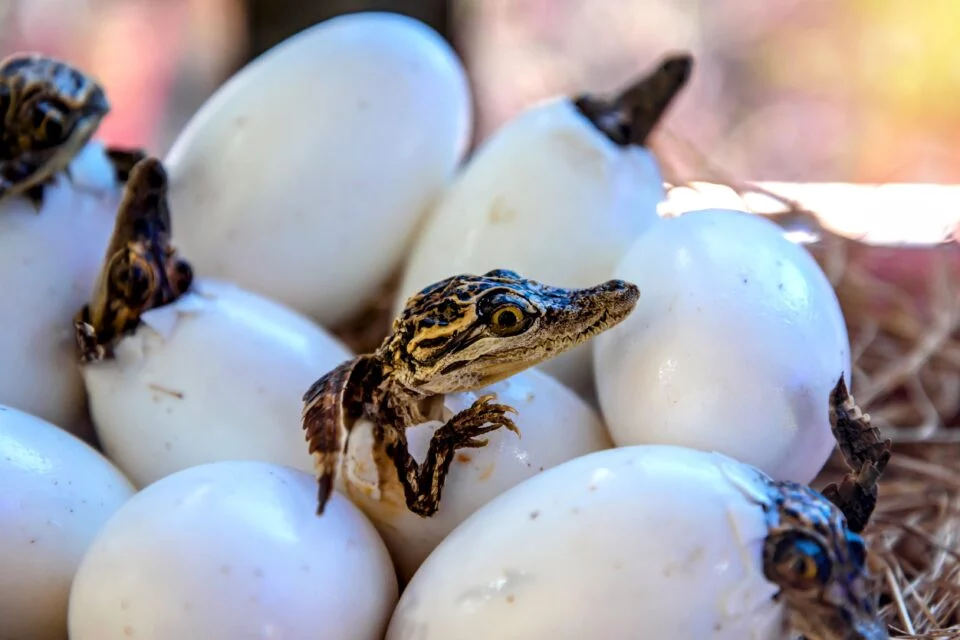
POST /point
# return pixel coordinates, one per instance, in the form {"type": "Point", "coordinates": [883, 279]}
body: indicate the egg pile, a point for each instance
{"type": "Point", "coordinates": [632, 502]}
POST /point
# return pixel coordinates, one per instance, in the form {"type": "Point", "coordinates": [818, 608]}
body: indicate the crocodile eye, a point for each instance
{"type": "Point", "coordinates": [796, 560]}
{"type": "Point", "coordinates": [508, 320]}
{"type": "Point", "coordinates": [805, 567]}
{"type": "Point", "coordinates": [140, 286]}
{"type": "Point", "coordinates": [135, 280]}
{"type": "Point", "coordinates": [49, 122]}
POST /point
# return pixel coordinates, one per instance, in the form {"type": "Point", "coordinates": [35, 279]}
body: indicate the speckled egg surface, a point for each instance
{"type": "Point", "coordinates": [216, 375]}
{"type": "Point", "coordinates": [48, 262]}
{"type": "Point", "coordinates": [610, 545]}
{"type": "Point", "coordinates": [734, 346]}
{"type": "Point", "coordinates": [56, 492]}
{"type": "Point", "coordinates": [304, 176]}
{"type": "Point", "coordinates": [234, 550]}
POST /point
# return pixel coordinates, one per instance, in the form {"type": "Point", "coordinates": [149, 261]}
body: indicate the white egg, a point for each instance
{"type": "Point", "coordinates": [635, 542]}
{"type": "Point", "coordinates": [48, 262]}
{"type": "Point", "coordinates": [555, 426]}
{"type": "Point", "coordinates": [304, 176]}
{"type": "Point", "coordinates": [57, 493]}
{"type": "Point", "coordinates": [216, 375]}
{"type": "Point", "coordinates": [735, 345]}
{"type": "Point", "coordinates": [548, 196]}
{"type": "Point", "coordinates": [234, 549]}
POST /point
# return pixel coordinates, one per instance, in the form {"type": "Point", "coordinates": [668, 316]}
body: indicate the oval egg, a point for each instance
{"type": "Point", "coordinates": [48, 262]}
{"type": "Point", "coordinates": [234, 550]}
{"type": "Point", "coordinates": [216, 375]}
{"type": "Point", "coordinates": [734, 346]}
{"type": "Point", "coordinates": [304, 176]}
{"type": "Point", "coordinates": [635, 542]}
{"type": "Point", "coordinates": [555, 426]}
{"type": "Point", "coordinates": [57, 494]}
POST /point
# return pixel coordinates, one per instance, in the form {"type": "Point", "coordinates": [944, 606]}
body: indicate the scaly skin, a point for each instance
{"type": "Point", "coordinates": [866, 454]}
{"type": "Point", "coordinates": [814, 551]}
{"type": "Point", "coordinates": [820, 566]}
{"type": "Point", "coordinates": [630, 117]}
{"type": "Point", "coordinates": [460, 334]}
{"type": "Point", "coordinates": [124, 160]}
{"type": "Point", "coordinates": [50, 111]}
{"type": "Point", "coordinates": [141, 269]}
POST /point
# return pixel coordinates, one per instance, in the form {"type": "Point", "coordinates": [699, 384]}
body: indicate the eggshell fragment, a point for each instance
{"type": "Point", "coordinates": [304, 176]}
{"type": "Point", "coordinates": [234, 549]}
{"type": "Point", "coordinates": [217, 375]}
{"type": "Point", "coordinates": [57, 492]}
{"type": "Point", "coordinates": [48, 262]}
{"type": "Point", "coordinates": [735, 345]}
{"type": "Point", "coordinates": [635, 542]}
{"type": "Point", "coordinates": [548, 196]}
{"type": "Point", "coordinates": [555, 426]}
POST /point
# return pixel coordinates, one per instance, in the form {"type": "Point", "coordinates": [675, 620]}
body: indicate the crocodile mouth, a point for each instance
{"type": "Point", "coordinates": [598, 325]}
{"type": "Point", "coordinates": [602, 322]}
{"type": "Point", "coordinates": [563, 342]}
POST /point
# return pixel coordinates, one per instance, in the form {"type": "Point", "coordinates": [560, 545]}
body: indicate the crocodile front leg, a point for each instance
{"type": "Point", "coordinates": [865, 452]}
{"type": "Point", "coordinates": [423, 483]}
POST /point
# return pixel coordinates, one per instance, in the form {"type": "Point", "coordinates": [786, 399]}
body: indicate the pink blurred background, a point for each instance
{"type": "Point", "coordinates": [818, 90]}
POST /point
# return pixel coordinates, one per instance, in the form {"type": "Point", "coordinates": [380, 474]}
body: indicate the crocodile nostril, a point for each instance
{"type": "Point", "coordinates": [619, 286]}
{"type": "Point", "coordinates": [611, 285]}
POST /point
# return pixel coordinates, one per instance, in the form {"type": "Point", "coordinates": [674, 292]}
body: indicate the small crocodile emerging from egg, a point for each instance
{"type": "Point", "coordinates": [814, 551]}
{"type": "Point", "coordinates": [50, 111]}
{"type": "Point", "coordinates": [460, 334]}
{"type": "Point", "coordinates": [141, 269]}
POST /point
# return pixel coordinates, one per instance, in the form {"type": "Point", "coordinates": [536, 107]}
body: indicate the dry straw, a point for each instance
{"type": "Point", "coordinates": [905, 338]}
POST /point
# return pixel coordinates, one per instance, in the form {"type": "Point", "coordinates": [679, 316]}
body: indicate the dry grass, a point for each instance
{"type": "Point", "coordinates": [906, 345]}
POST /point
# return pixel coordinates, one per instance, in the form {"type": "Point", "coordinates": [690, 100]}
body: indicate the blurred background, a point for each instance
{"type": "Point", "coordinates": [786, 90]}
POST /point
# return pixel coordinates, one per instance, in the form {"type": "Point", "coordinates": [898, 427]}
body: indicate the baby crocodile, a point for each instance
{"type": "Point", "coordinates": [141, 269]}
{"type": "Point", "coordinates": [814, 552]}
{"type": "Point", "coordinates": [50, 111]}
{"type": "Point", "coordinates": [460, 334]}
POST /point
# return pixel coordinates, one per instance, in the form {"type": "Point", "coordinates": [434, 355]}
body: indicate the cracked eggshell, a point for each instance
{"type": "Point", "coordinates": [57, 492]}
{"type": "Point", "coordinates": [304, 176]}
{"type": "Point", "coordinates": [646, 541]}
{"type": "Point", "coordinates": [555, 426]}
{"type": "Point", "coordinates": [548, 196]}
{"type": "Point", "coordinates": [234, 549]}
{"type": "Point", "coordinates": [48, 263]}
{"type": "Point", "coordinates": [735, 345]}
{"type": "Point", "coordinates": [217, 375]}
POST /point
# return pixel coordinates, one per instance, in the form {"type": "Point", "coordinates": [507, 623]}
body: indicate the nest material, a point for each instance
{"type": "Point", "coordinates": [902, 308]}
{"type": "Point", "coordinates": [905, 339]}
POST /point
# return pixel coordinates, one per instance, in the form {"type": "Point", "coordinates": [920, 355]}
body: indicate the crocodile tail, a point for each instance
{"type": "Point", "coordinates": [328, 413]}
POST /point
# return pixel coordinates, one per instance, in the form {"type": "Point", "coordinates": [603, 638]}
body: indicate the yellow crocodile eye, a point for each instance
{"type": "Point", "coordinates": [797, 561]}
{"type": "Point", "coordinates": [138, 281]}
{"type": "Point", "coordinates": [48, 122]}
{"type": "Point", "coordinates": [507, 320]}
{"type": "Point", "coordinates": [807, 569]}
